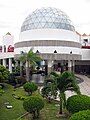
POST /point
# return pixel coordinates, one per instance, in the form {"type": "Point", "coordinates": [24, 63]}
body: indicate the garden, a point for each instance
{"type": "Point", "coordinates": [49, 112]}
{"type": "Point", "coordinates": [21, 99]}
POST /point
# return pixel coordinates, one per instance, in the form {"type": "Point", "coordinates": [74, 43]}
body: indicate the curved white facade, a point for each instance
{"type": "Point", "coordinates": [49, 34]}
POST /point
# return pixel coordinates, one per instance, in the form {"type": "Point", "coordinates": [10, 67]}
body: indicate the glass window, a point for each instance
{"type": "Point", "coordinates": [47, 18]}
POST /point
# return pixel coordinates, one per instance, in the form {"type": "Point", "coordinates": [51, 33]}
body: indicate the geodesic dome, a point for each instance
{"type": "Point", "coordinates": [47, 18]}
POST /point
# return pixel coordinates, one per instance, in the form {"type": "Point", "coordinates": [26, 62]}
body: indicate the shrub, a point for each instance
{"type": "Point", "coordinates": [20, 80]}
{"type": "Point", "coordinates": [4, 73]}
{"type": "Point", "coordinates": [1, 91]}
{"type": "Point", "coordinates": [12, 79]}
{"type": "Point", "coordinates": [82, 115]}
{"type": "Point", "coordinates": [33, 105]}
{"type": "Point", "coordinates": [20, 97]}
{"type": "Point", "coordinates": [2, 85]}
{"type": "Point", "coordinates": [30, 87]}
{"type": "Point", "coordinates": [21, 119]}
{"type": "Point", "coordinates": [78, 103]}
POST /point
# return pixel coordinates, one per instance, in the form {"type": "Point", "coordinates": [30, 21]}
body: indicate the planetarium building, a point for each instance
{"type": "Point", "coordinates": [52, 34]}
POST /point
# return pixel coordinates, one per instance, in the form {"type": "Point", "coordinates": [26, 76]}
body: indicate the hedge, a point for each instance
{"type": "Point", "coordinates": [82, 115]}
{"type": "Point", "coordinates": [33, 104]}
{"type": "Point", "coordinates": [78, 103]}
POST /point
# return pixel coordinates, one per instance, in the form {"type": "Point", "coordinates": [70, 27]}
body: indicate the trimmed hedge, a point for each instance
{"type": "Point", "coordinates": [78, 103]}
{"type": "Point", "coordinates": [30, 87]}
{"type": "Point", "coordinates": [33, 104]}
{"type": "Point", "coordinates": [82, 115]}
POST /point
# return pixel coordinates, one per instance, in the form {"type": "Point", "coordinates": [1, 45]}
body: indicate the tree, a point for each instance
{"type": "Point", "coordinates": [33, 104]}
{"type": "Point", "coordinates": [50, 88]}
{"type": "Point", "coordinates": [30, 87]}
{"type": "Point", "coordinates": [4, 73]}
{"type": "Point", "coordinates": [29, 58]}
{"type": "Point", "coordinates": [65, 81]}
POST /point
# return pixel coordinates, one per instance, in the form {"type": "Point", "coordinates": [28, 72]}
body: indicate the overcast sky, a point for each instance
{"type": "Point", "coordinates": [14, 12]}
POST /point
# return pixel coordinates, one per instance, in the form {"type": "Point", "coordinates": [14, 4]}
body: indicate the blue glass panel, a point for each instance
{"type": "Point", "coordinates": [47, 18]}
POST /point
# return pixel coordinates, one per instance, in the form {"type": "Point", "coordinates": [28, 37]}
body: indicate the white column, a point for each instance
{"type": "Point", "coordinates": [69, 65]}
{"type": "Point", "coordinates": [4, 62]}
{"type": "Point", "coordinates": [21, 68]}
{"type": "Point", "coordinates": [21, 64]}
{"type": "Point", "coordinates": [10, 65]}
{"type": "Point", "coordinates": [50, 64]}
{"type": "Point", "coordinates": [62, 67]}
{"type": "Point", "coordinates": [73, 65]}
{"type": "Point", "coordinates": [16, 63]}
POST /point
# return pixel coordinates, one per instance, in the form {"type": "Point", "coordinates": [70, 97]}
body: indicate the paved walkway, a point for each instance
{"type": "Point", "coordinates": [83, 82]}
{"type": "Point", "coordinates": [84, 86]}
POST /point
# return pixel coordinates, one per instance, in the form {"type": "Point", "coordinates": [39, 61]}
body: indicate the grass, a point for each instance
{"type": "Point", "coordinates": [49, 112]}
{"type": "Point", "coordinates": [16, 111]}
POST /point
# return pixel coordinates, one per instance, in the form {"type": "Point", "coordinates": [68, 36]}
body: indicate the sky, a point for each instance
{"type": "Point", "coordinates": [14, 12]}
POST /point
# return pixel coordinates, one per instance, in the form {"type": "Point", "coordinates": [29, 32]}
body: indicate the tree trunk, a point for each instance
{"type": "Point", "coordinates": [21, 69]}
{"type": "Point", "coordinates": [27, 71]}
{"type": "Point", "coordinates": [60, 111]}
{"type": "Point", "coordinates": [30, 73]}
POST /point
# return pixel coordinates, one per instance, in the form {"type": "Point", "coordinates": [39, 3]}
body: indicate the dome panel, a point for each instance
{"type": "Point", "coordinates": [47, 18]}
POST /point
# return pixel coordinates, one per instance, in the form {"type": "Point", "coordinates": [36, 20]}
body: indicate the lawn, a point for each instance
{"type": "Point", "coordinates": [16, 111]}
{"type": "Point", "coordinates": [50, 111]}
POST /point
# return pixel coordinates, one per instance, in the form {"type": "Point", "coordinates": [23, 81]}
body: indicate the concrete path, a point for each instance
{"type": "Point", "coordinates": [83, 82]}
{"type": "Point", "coordinates": [84, 86]}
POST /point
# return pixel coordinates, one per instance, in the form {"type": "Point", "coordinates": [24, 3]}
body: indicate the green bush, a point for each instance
{"type": "Point", "coordinates": [82, 115]}
{"type": "Point", "coordinates": [4, 74]}
{"type": "Point", "coordinates": [1, 92]}
{"type": "Point", "coordinates": [21, 119]}
{"type": "Point", "coordinates": [33, 104]}
{"type": "Point", "coordinates": [78, 103]}
{"type": "Point", "coordinates": [2, 85]}
{"type": "Point", "coordinates": [21, 80]}
{"type": "Point", "coordinates": [20, 97]}
{"type": "Point", "coordinates": [30, 87]}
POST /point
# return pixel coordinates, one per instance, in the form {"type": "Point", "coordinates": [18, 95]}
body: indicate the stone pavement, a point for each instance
{"type": "Point", "coordinates": [84, 86]}
{"type": "Point", "coordinates": [83, 82]}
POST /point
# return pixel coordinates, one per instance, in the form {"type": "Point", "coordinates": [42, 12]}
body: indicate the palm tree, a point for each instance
{"type": "Point", "coordinates": [65, 81]}
{"type": "Point", "coordinates": [50, 88]}
{"type": "Point", "coordinates": [30, 59]}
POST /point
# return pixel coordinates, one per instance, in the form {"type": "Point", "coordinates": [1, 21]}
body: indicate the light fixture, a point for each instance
{"type": "Point", "coordinates": [37, 51]}
{"type": "Point", "coordinates": [55, 51]}
{"type": "Point", "coordinates": [70, 52]}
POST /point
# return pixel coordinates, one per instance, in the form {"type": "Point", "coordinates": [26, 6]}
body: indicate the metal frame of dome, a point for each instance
{"type": "Point", "coordinates": [47, 18]}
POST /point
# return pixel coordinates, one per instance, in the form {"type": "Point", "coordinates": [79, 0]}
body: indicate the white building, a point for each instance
{"type": "Point", "coordinates": [51, 32]}
{"type": "Point", "coordinates": [7, 51]}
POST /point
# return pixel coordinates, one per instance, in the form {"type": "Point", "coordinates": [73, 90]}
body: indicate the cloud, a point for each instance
{"type": "Point", "coordinates": [14, 12]}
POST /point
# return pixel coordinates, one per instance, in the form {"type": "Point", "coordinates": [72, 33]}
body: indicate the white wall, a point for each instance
{"type": "Point", "coordinates": [7, 55]}
{"type": "Point", "coordinates": [49, 34]}
{"type": "Point", "coordinates": [85, 54]}
{"type": "Point", "coordinates": [50, 49]}
{"type": "Point", "coordinates": [8, 40]}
